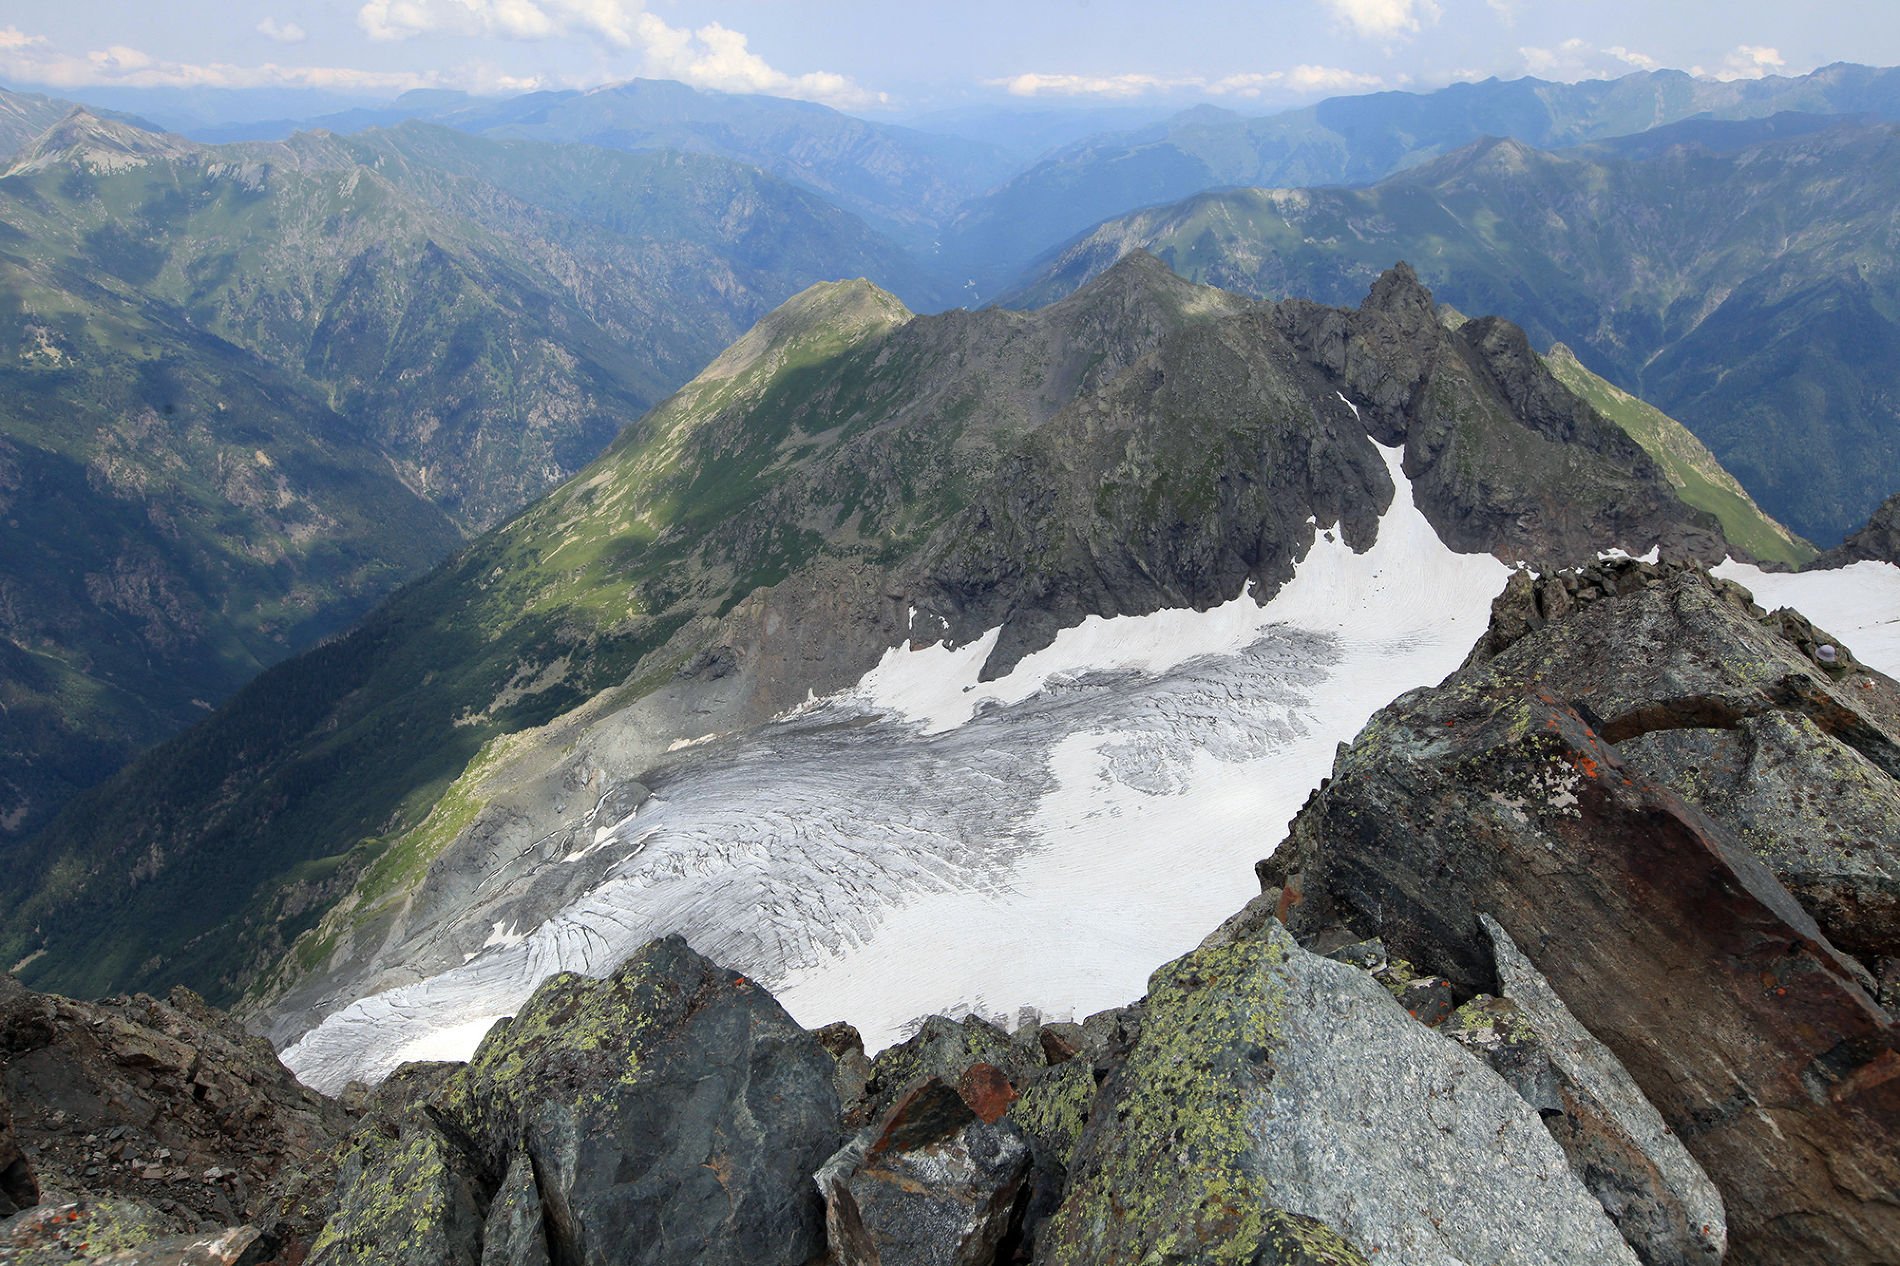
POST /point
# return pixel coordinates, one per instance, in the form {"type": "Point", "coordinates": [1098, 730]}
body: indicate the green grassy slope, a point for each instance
{"type": "Point", "coordinates": [247, 390]}
{"type": "Point", "coordinates": [1698, 478]}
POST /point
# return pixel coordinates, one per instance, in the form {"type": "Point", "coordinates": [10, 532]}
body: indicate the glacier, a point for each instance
{"type": "Point", "coordinates": [927, 842]}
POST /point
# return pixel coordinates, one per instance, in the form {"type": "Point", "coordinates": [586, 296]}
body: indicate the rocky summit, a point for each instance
{"type": "Point", "coordinates": [1584, 955]}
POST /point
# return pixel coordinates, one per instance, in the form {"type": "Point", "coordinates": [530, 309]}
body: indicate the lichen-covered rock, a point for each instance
{"type": "Point", "coordinates": [1268, 1078]}
{"type": "Point", "coordinates": [1055, 1107]}
{"type": "Point", "coordinates": [930, 1184]}
{"type": "Point", "coordinates": [406, 1195]}
{"type": "Point", "coordinates": [516, 1231]}
{"type": "Point", "coordinates": [1505, 791]}
{"type": "Point", "coordinates": [1650, 1185]}
{"type": "Point", "coordinates": [1292, 1239]}
{"type": "Point", "coordinates": [93, 1230]}
{"type": "Point", "coordinates": [942, 1048]}
{"type": "Point", "coordinates": [673, 1113]}
{"type": "Point", "coordinates": [1824, 817]}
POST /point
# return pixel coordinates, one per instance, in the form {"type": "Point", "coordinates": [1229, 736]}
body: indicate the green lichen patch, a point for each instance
{"type": "Point", "coordinates": [1167, 1170]}
{"type": "Point", "coordinates": [402, 1201]}
{"type": "Point", "coordinates": [1056, 1106]}
{"type": "Point", "coordinates": [1293, 1239]}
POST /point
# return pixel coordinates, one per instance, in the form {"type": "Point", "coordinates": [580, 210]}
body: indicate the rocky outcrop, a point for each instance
{"type": "Point", "coordinates": [671, 1113]}
{"type": "Point", "coordinates": [118, 1233]}
{"type": "Point", "coordinates": [516, 1233]}
{"type": "Point", "coordinates": [934, 1182]}
{"type": "Point", "coordinates": [1878, 541]}
{"type": "Point", "coordinates": [19, 1189]}
{"type": "Point", "coordinates": [1521, 789]}
{"type": "Point", "coordinates": [1619, 1147]}
{"type": "Point", "coordinates": [167, 1107]}
{"type": "Point", "coordinates": [1268, 1078]}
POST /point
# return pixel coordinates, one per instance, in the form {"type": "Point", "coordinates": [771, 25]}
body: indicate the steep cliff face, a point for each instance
{"type": "Point", "coordinates": [1878, 542]}
{"type": "Point", "coordinates": [1683, 808]}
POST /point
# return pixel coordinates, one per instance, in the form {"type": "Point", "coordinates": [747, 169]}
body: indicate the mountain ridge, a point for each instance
{"type": "Point", "coordinates": [1729, 288]}
{"type": "Point", "coordinates": [740, 548]}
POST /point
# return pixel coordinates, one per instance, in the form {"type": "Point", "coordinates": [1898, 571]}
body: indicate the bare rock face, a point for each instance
{"type": "Point", "coordinates": [1618, 1144]}
{"type": "Point", "coordinates": [1267, 1078]}
{"type": "Point", "coordinates": [932, 1183]}
{"type": "Point", "coordinates": [1521, 788]}
{"type": "Point", "coordinates": [19, 1189]}
{"type": "Point", "coordinates": [1879, 541]}
{"type": "Point", "coordinates": [671, 1113]}
{"type": "Point", "coordinates": [169, 1107]}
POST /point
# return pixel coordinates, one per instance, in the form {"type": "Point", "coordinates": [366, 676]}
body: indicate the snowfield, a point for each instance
{"type": "Point", "coordinates": [1859, 604]}
{"type": "Point", "coordinates": [1049, 838]}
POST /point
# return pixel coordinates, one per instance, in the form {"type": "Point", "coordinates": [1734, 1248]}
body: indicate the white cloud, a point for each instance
{"type": "Point", "coordinates": [1748, 61]}
{"type": "Point", "coordinates": [713, 56]}
{"type": "Point", "coordinates": [1309, 79]}
{"type": "Point", "coordinates": [1505, 9]}
{"type": "Point", "coordinates": [282, 32]}
{"type": "Point", "coordinates": [31, 59]}
{"type": "Point", "coordinates": [1038, 85]}
{"type": "Point", "coordinates": [1576, 59]}
{"type": "Point", "coordinates": [1299, 81]}
{"type": "Point", "coordinates": [1629, 56]}
{"type": "Point", "coordinates": [1385, 19]}
{"type": "Point", "coordinates": [717, 57]}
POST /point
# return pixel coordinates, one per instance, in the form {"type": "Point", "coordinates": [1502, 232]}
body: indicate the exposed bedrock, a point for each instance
{"type": "Point", "coordinates": [1878, 541]}
{"type": "Point", "coordinates": [1640, 776]}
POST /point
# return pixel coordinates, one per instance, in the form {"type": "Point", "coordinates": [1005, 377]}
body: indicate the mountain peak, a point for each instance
{"type": "Point", "coordinates": [1142, 279]}
{"type": "Point", "coordinates": [1399, 291]}
{"type": "Point", "coordinates": [835, 312]}
{"type": "Point", "coordinates": [84, 139]}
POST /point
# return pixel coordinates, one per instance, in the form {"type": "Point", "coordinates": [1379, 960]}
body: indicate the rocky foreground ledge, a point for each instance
{"type": "Point", "coordinates": [1585, 956]}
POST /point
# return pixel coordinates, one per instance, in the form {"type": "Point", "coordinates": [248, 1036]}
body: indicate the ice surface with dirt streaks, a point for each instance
{"type": "Point", "coordinates": [930, 843]}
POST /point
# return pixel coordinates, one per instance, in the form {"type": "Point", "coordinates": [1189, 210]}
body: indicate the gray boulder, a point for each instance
{"type": "Point", "coordinates": [673, 1113]}
{"type": "Point", "coordinates": [1268, 1078]}
{"type": "Point", "coordinates": [931, 1184]}
{"type": "Point", "coordinates": [516, 1232]}
{"type": "Point", "coordinates": [1617, 1142]}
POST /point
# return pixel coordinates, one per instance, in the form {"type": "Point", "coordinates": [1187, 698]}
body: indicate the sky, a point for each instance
{"type": "Point", "coordinates": [902, 56]}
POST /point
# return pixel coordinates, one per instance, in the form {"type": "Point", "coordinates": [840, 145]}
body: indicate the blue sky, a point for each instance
{"type": "Point", "coordinates": [901, 55]}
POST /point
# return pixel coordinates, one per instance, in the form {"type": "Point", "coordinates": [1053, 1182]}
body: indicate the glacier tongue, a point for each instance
{"type": "Point", "coordinates": [930, 843]}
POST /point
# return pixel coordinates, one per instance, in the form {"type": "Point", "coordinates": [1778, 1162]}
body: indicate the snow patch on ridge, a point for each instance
{"type": "Point", "coordinates": [927, 842]}
{"type": "Point", "coordinates": [1859, 603]}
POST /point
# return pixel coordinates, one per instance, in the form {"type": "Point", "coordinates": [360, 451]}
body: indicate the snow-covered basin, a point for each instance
{"type": "Point", "coordinates": [1860, 604]}
{"type": "Point", "coordinates": [928, 843]}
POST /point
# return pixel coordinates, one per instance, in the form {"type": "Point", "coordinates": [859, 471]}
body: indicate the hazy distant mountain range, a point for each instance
{"type": "Point", "coordinates": [1741, 276]}
{"type": "Point", "coordinates": [272, 381]}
